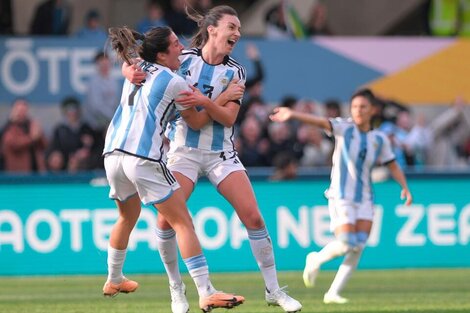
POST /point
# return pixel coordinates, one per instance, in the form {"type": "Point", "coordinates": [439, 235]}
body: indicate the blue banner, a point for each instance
{"type": "Point", "coordinates": [47, 69]}
{"type": "Point", "coordinates": [64, 229]}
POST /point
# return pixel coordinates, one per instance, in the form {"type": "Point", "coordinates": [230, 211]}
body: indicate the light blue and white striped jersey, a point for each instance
{"type": "Point", "coordinates": [211, 80]}
{"type": "Point", "coordinates": [140, 120]}
{"type": "Point", "coordinates": [355, 154]}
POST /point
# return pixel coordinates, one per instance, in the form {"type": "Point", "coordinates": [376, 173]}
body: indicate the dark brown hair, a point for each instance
{"type": "Point", "coordinates": [366, 93]}
{"type": "Point", "coordinates": [125, 42]}
{"type": "Point", "coordinates": [212, 17]}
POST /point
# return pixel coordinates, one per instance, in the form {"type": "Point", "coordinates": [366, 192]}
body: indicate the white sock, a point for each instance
{"type": "Point", "coordinates": [332, 250]}
{"type": "Point", "coordinates": [345, 270]}
{"type": "Point", "coordinates": [199, 271]}
{"type": "Point", "coordinates": [262, 249]}
{"type": "Point", "coordinates": [167, 247]}
{"type": "Point", "coordinates": [115, 263]}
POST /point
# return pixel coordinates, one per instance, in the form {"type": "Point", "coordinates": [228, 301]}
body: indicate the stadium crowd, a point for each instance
{"type": "Point", "coordinates": [76, 142]}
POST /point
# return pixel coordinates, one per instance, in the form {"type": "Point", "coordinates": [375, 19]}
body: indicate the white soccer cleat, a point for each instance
{"type": "Point", "coordinates": [179, 303]}
{"type": "Point", "coordinates": [334, 299]}
{"type": "Point", "coordinates": [312, 267]}
{"type": "Point", "coordinates": [282, 299]}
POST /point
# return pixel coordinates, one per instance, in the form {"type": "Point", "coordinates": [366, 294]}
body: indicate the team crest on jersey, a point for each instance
{"type": "Point", "coordinates": [224, 81]}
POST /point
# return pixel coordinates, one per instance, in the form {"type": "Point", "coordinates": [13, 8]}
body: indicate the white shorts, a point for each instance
{"type": "Point", "coordinates": [128, 175]}
{"type": "Point", "coordinates": [348, 212]}
{"type": "Point", "coordinates": [193, 162]}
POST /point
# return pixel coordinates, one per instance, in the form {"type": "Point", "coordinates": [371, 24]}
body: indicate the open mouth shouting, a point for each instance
{"type": "Point", "coordinates": [232, 42]}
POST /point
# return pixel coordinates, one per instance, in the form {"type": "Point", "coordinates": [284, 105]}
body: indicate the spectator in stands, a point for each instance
{"type": "Point", "coordinates": [92, 28]}
{"type": "Point", "coordinates": [23, 142]}
{"type": "Point", "coordinates": [420, 140]}
{"type": "Point", "coordinates": [6, 17]}
{"type": "Point", "coordinates": [250, 145]}
{"type": "Point", "coordinates": [276, 27]}
{"type": "Point", "coordinates": [332, 108]}
{"type": "Point", "coordinates": [450, 129]}
{"type": "Point", "coordinates": [280, 139]}
{"type": "Point", "coordinates": [285, 167]}
{"type": "Point", "coordinates": [102, 98]}
{"type": "Point", "coordinates": [155, 17]}
{"type": "Point", "coordinates": [73, 138]}
{"type": "Point", "coordinates": [253, 88]}
{"type": "Point", "coordinates": [316, 150]}
{"type": "Point", "coordinates": [178, 20]}
{"type": "Point", "coordinates": [317, 21]}
{"type": "Point", "coordinates": [52, 17]}
{"type": "Point", "coordinates": [385, 110]}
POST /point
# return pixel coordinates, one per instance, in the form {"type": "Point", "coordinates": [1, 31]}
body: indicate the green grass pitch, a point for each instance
{"type": "Point", "coordinates": [424, 291]}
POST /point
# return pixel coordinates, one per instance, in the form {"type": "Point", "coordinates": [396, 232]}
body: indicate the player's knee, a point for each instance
{"type": "Point", "coordinates": [252, 220]}
{"type": "Point", "coordinates": [361, 237]}
{"type": "Point", "coordinates": [348, 241]}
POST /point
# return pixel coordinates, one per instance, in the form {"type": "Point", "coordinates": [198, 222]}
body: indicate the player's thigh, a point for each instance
{"type": "Point", "coordinates": [121, 187]}
{"type": "Point", "coordinates": [342, 216]}
{"type": "Point", "coordinates": [237, 189]}
{"type": "Point", "coordinates": [365, 217]}
{"type": "Point", "coordinates": [187, 162]}
{"type": "Point", "coordinates": [187, 187]}
{"type": "Point", "coordinates": [130, 208]}
{"type": "Point", "coordinates": [174, 210]}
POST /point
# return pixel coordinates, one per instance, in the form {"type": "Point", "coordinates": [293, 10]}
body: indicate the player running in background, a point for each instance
{"type": "Point", "coordinates": [350, 201]}
{"type": "Point", "coordinates": [210, 150]}
{"type": "Point", "coordinates": [134, 160]}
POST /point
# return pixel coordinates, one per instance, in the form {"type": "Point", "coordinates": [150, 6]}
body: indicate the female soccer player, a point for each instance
{"type": "Point", "coordinates": [358, 148]}
{"type": "Point", "coordinates": [133, 160]}
{"type": "Point", "coordinates": [210, 150]}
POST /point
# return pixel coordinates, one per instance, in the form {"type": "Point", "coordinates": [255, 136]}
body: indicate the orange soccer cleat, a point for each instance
{"type": "Point", "coordinates": [125, 286]}
{"type": "Point", "coordinates": [220, 300]}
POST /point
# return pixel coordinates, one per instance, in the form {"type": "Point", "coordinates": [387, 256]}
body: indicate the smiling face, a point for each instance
{"type": "Point", "coordinates": [361, 112]}
{"type": "Point", "coordinates": [226, 34]}
{"type": "Point", "coordinates": [170, 58]}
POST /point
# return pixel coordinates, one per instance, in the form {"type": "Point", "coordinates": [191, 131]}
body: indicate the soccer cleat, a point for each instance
{"type": "Point", "coordinates": [125, 286]}
{"type": "Point", "coordinates": [179, 303]}
{"type": "Point", "coordinates": [220, 299]}
{"type": "Point", "coordinates": [334, 298]}
{"type": "Point", "coordinates": [282, 299]}
{"type": "Point", "coordinates": [311, 270]}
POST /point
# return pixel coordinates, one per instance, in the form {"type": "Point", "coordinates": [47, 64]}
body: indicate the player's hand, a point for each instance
{"type": "Point", "coordinates": [406, 194]}
{"type": "Point", "coordinates": [191, 97]}
{"type": "Point", "coordinates": [133, 73]}
{"type": "Point", "coordinates": [234, 90]}
{"type": "Point", "coordinates": [281, 114]}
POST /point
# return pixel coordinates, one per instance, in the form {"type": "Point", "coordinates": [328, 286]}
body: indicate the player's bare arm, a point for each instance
{"type": "Point", "coordinates": [398, 175]}
{"type": "Point", "coordinates": [225, 115]}
{"type": "Point", "coordinates": [283, 114]}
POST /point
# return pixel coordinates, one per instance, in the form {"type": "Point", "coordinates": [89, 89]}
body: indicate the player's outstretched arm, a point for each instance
{"type": "Point", "coordinates": [283, 114]}
{"type": "Point", "coordinates": [398, 175]}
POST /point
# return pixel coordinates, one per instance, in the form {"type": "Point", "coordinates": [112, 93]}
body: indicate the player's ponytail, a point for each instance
{"type": "Point", "coordinates": [212, 17]}
{"type": "Point", "coordinates": [129, 43]}
{"type": "Point", "coordinates": [124, 42]}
